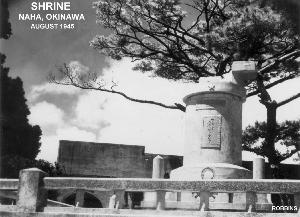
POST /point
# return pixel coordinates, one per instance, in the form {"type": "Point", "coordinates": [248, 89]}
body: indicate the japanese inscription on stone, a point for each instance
{"type": "Point", "coordinates": [212, 131]}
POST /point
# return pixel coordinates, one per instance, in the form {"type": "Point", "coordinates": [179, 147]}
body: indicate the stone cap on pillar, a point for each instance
{"type": "Point", "coordinates": [233, 83]}
{"type": "Point", "coordinates": [158, 157]}
{"type": "Point", "coordinates": [244, 71]}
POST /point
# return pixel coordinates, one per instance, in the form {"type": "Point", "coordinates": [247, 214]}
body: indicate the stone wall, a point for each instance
{"type": "Point", "coordinates": [102, 159]}
{"type": "Point", "coordinates": [110, 160]}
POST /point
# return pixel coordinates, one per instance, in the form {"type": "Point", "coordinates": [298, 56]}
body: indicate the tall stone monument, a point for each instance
{"type": "Point", "coordinates": [213, 127]}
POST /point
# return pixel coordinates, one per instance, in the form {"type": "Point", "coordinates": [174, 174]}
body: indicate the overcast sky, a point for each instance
{"type": "Point", "coordinates": [74, 114]}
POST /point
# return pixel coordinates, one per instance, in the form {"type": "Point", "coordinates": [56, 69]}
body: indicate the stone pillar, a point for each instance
{"type": "Point", "coordinates": [251, 200]}
{"type": "Point", "coordinates": [32, 197]}
{"type": "Point", "coordinates": [263, 200]}
{"type": "Point", "coordinates": [259, 168]}
{"type": "Point", "coordinates": [178, 196]}
{"type": "Point", "coordinates": [120, 198]}
{"type": "Point", "coordinates": [213, 127]}
{"type": "Point", "coordinates": [112, 201]}
{"type": "Point", "coordinates": [79, 199]}
{"type": "Point", "coordinates": [204, 201]}
{"type": "Point", "coordinates": [158, 169]}
{"type": "Point", "coordinates": [297, 200]}
{"type": "Point", "coordinates": [160, 200]}
{"type": "Point", "coordinates": [117, 199]}
{"type": "Point", "coordinates": [158, 172]}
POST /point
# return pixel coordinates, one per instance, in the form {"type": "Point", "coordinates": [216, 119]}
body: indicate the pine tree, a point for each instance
{"type": "Point", "coordinates": [19, 138]}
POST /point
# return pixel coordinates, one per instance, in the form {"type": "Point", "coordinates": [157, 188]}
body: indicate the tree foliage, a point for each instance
{"type": "Point", "coordinates": [5, 26]}
{"type": "Point", "coordinates": [290, 9]}
{"type": "Point", "coordinates": [12, 164]}
{"type": "Point", "coordinates": [19, 141]}
{"type": "Point", "coordinates": [287, 136]}
{"type": "Point", "coordinates": [19, 138]}
{"type": "Point", "coordinates": [203, 40]}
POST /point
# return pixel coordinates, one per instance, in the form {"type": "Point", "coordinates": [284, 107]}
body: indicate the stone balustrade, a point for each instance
{"type": "Point", "coordinates": [9, 184]}
{"type": "Point", "coordinates": [145, 184]}
{"type": "Point", "coordinates": [32, 188]}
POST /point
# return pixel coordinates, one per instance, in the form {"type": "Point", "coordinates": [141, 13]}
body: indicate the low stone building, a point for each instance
{"type": "Point", "coordinates": [110, 160]}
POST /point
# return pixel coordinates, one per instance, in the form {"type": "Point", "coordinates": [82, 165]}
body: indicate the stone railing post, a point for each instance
{"type": "Point", "coordinates": [259, 173]}
{"type": "Point", "coordinates": [158, 171]}
{"type": "Point", "coordinates": [259, 168]}
{"type": "Point", "coordinates": [120, 198]}
{"type": "Point", "coordinates": [117, 200]}
{"type": "Point", "coordinates": [160, 200]}
{"type": "Point", "coordinates": [158, 168]}
{"type": "Point", "coordinates": [251, 199]}
{"type": "Point", "coordinates": [204, 200]}
{"type": "Point", "coordinates": [32, 196]}
{"type": "Point", "coordinates": [297, 200]}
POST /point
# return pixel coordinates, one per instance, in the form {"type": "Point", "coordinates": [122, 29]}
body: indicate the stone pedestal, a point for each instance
{"type": "Point", "coordinates": [213, 133]}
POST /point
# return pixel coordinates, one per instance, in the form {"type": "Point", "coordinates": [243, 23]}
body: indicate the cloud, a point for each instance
{"type": "Point", "coordinates": [88, 110]}
{"type": "Point", "coordinates": [159, 130]}
{"type": "Point", "coordinates": [78, 68]}
{"type": "Point", "coordinates": [74, 133]}
{"type": "Point", "coordinates": [46, 115]}
{"type": "Point", "coordinates": [38, 91]}
{"type": "Point", "coordinates": [49, 148]}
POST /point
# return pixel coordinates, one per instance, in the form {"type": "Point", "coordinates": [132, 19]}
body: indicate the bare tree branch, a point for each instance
{"type": "Point", "coordinates": [72, 79]}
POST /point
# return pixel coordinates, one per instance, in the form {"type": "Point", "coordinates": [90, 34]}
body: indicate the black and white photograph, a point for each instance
{"type": "Point", "coordinates": [129, 108]}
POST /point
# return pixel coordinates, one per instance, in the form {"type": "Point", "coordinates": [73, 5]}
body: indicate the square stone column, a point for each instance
{"type": "Point", "coordinates": [160, 200]}
{"type": "Point", "coordinates": [32, 196]}
{"type": "Point", "coordinates": [120, 198]}
{"type": "Point", "coordinates": [263, 200]}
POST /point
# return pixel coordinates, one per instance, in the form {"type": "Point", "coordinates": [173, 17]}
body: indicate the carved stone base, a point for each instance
{"type": "Point", "coordinates": [211, 171]}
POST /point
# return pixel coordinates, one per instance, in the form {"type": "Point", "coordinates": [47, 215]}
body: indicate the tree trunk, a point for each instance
{"type": "Point", "coordinates": [277, 199]}
{"type": "Point", "coordinates": [271, 135]}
